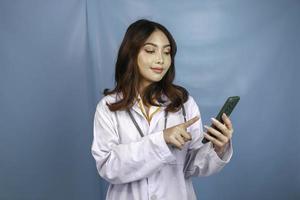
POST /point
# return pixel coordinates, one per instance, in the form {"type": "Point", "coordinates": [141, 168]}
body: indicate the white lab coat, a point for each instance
{"type": "Point", "coordinates": [146, 168]}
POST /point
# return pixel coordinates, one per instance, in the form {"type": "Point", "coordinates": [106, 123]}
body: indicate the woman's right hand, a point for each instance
{"type": "Point", "coordinates": [177, 135]}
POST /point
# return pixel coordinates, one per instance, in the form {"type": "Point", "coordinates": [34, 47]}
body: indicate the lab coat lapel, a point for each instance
{"type": "Point", "coordinates": [160, 114]}
{"type": "Point", "coordinates": [156, 117]}
{"type": "Point", "coordinates": [136, 108]}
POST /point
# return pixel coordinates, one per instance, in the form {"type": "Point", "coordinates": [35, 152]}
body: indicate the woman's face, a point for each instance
{"type": "Point", "coordinates": [154, 58]}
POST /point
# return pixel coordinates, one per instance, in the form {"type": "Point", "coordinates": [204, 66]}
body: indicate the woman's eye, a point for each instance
{"type": "Point", "coordinates": [149, 51]}
{"type": "Point", "coordinates": [167, 52]}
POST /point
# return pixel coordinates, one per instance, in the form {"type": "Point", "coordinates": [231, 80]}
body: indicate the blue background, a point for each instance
{"type": "Point", "coordinates": [56, 57]}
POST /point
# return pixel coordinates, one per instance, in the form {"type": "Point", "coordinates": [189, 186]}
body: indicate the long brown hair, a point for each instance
{"type": "Point", "coordinates": [127, 75]}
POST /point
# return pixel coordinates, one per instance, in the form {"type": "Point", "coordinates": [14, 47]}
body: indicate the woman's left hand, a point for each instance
{"type": "Point", "coordinates": [222, 133]}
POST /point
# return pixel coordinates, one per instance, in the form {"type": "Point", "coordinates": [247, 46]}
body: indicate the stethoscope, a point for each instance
{"type": "Point", "coordinates": [166, 120]}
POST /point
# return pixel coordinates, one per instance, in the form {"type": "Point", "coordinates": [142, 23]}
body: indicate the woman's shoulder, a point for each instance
{"type": "Point", "coordinates": [190, 99]}
{"type": "Point", "coordinates": [192, 108]}
{"type": "Point", "coordinates": [109, 99]}
{"type": "Point", "coordinates": [191, 103]}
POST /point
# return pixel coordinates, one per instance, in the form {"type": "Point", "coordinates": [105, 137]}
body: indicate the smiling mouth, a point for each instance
{"type": "Point", "coordinates": [157, 70]}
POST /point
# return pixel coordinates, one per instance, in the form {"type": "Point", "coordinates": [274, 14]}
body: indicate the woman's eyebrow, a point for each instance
{"type": "Point", "coordinates": [149, 43]}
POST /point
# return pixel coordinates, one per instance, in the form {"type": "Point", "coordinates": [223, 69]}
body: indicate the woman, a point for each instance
{"type": "Point", "coordinates": [147, 130]}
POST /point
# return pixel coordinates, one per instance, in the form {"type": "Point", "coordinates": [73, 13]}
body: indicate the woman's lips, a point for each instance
{"type": "Point", "coordinates": [157, 70]}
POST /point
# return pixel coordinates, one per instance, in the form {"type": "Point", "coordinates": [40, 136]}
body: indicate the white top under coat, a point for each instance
{"type": "Point", "coordinates": [147, 168]}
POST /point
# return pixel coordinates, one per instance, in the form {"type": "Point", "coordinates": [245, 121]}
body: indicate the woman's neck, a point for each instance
{"type": "Point", "coordinates": [142, 87]}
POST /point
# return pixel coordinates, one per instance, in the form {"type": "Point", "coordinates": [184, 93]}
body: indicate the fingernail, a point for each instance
{"type": "Point", "coordinates": [224, 115]}
{"type": "Point", "coordinates": [206, 127]}
{"type": "Point", "coordinates": [213, 119]}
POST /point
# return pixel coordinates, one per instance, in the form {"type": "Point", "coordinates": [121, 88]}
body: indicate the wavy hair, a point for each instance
{"type": "Point", "coordinates": [127, 76]}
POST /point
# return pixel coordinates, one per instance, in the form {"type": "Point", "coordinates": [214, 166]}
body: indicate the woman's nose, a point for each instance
{"type": "Point", "coordinates": [159, 58]}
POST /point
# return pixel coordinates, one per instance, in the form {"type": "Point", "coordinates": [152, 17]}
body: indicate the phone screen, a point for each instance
{"type": "Point", "coordinates": [227, 108]}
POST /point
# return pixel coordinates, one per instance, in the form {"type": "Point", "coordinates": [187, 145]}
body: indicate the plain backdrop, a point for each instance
{"type": "Point", "coordinates": [56, 57]}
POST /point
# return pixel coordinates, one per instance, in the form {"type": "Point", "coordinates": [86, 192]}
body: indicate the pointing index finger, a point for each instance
{"type": "Point", "coordinates": [191, 121]}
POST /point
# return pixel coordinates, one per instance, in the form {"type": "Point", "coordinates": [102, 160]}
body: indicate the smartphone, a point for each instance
{"type": "Point", "coordinates": [227, 109]}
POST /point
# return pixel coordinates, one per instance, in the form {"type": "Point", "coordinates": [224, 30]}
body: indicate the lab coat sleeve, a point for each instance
{"type": "Point", "coordinates": [201, 159]}
{"type": "Point", "coordinates": [122, 163]}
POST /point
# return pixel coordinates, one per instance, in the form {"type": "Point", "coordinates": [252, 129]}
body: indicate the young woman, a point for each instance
{"type": "Point", "coordinates": [147, 130]}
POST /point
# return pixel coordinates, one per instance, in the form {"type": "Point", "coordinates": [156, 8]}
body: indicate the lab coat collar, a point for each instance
{"type": "Point", "coordinates": [161, 105]}
{"type": "Point", "coordinates": [136, 108]}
